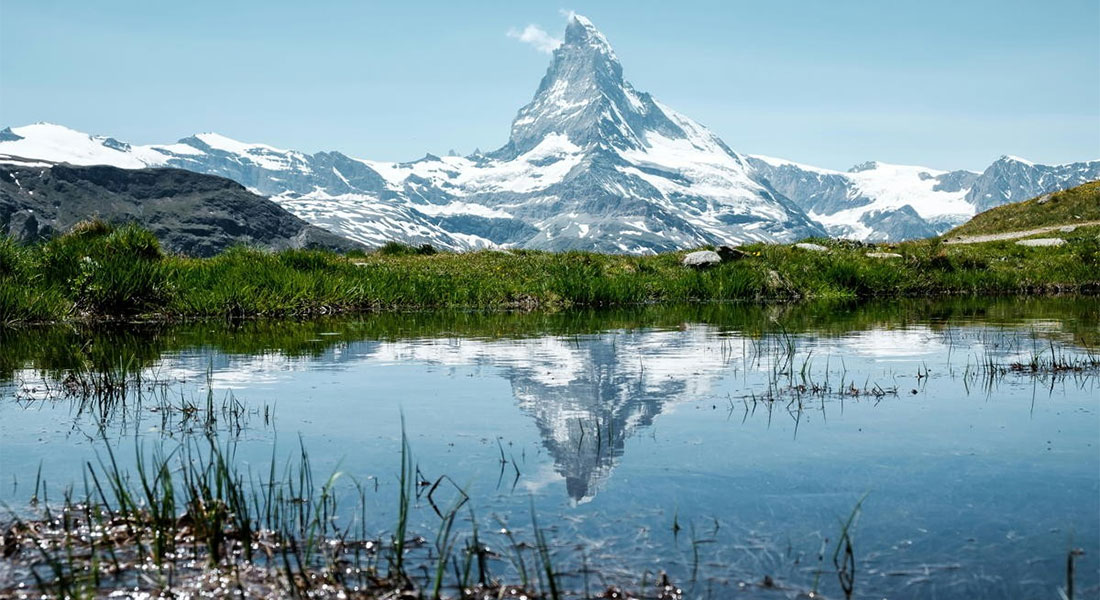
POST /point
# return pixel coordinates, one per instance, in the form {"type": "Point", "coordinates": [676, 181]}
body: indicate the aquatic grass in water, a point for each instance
{"type": "Point", "coordinates": [186, 512]}
{"type": "Point", "coordinates": [189, 521]}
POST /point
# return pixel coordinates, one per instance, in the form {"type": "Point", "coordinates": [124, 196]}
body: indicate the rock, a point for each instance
{"type": "Point", "coordinates": [775, 280]}
{"type": "Point", "coordinates": [1044, 199]}
{"type": "Point", "coordinates": [811, 247]}
{"type": "Point", "coordinates": [1041, 242]}
{"type": "Point", "coordinates": [702, 259]}
{"type": "Point", "coordinates": [730, 254]}
{"type": "Point", "coordinates": [1068, 229]}
{"type": "Point", "coordinates": [883, 255]}
{"type": "Point", "coordinates": [23, 226]}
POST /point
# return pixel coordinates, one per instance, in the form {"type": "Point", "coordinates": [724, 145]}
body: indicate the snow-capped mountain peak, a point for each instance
{"type": "Point", "coordinates": [57, 143]}
{"type": "Point", "coordinates": [582, 32]}
{"type": "Point", "coordinates": [218, 141]}
{"type": "Point", "coordinates": [244, 153]}
{"type": "Point", "coordinates": [1016, 159]}
{"type": "Point", "coordinates": [584, 96]}
{"type": "Point", "coordinates": [669, 179]}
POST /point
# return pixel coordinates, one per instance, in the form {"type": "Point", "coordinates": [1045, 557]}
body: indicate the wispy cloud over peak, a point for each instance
{"type": "Point", "coordinates": [537, 37]}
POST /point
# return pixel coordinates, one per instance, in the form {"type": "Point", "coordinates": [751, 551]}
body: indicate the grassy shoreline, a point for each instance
{"type": "Point", "coordinates": [61, 348]}
{"type": "Point", "coordinates": [101, 272]}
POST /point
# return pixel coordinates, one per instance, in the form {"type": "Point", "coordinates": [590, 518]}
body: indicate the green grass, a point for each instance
{"type": "Point", "coordinates": [1075, 205]}
{"type": "Point", "coordinates": [98, 272]}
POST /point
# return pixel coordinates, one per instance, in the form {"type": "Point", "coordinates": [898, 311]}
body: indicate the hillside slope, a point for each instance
{"type": "Point", "coordinates": [1074, 206]}
{"type": "Point", "coordinates": [190, 213]}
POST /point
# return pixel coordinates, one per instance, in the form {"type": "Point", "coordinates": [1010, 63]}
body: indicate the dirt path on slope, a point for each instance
{"type": "Point", "coordinates": [1012, 235]}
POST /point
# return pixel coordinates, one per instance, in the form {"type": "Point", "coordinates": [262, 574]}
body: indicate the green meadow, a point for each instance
{"type": "Point", "coordinates": [99, 271]}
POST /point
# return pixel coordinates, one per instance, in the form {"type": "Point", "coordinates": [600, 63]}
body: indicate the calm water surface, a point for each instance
{"type": "Point", "coordinates": [720, 444]}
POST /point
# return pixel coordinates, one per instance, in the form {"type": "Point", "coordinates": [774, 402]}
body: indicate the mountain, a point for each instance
{"type": "Point", "coordinates": [294, 179]}
{"type": "Point", "coordinates": [1012, 179]}
{"type": "Point", "coordinates": [1067, 208]}
{"type": "Point", "coordinates": [191, 213]}
{"type": "Point", "coordinates": [595, 164]}
{"type": "Point", "coordinates": [590, 163]}
{"type": "Point", "coordinates": [873, 200]}
{"type": "Point", "coordinates": [881, 202]}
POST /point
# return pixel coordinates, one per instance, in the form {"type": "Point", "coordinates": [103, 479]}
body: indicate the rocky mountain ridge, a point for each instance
{"type": "Point", "coordinates": [190, 213]}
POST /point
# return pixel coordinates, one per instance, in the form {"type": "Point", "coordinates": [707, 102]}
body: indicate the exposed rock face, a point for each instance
{"type": "Point", "coordinates": [1012, 179]}
{"type": "Point", "coordinates": [814, 190]}
{"type": "Point", "coordinates": [7, 135]}
{"type": "Point", "coordinates": [190, 213]}
{"type": "Point", "coordinates": [955, 181]}
{"type": "Point", "coordinates": [899, 224]}
{"type": "Point", "coordinates": [875, 201]}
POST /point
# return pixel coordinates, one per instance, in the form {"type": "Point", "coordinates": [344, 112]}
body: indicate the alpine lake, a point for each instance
{"type": "Point", "coordinates": [903, 449]}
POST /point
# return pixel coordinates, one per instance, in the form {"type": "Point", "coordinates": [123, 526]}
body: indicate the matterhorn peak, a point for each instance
{"type": "Point", "coordinates": [584, 97]}
{"type": "Point", "coordinates": [581, 33]}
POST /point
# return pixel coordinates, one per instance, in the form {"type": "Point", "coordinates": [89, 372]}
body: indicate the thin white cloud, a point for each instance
{"type": "Point", "coordinates": [537, 37]}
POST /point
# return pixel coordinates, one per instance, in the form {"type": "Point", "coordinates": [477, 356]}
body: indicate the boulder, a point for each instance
{"type": "Point", "coordinates": [811, 247]}
{"type": "Point", "coordinates": [775, 281]}
{"type": "Point", "coordinates": [1041, 242]}
{"type": "Point", "coordinates": [23, 226]}
{"type": "Point", "coordinates": [883, 255]}
{"type": "Point", "coordinates": [730, 254]}
{"type": "Point", "coordinates": [701, 259]}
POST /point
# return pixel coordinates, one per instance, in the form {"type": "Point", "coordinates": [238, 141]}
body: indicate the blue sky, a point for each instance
{"type": "Point", "coordinates": [944, 84]}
